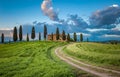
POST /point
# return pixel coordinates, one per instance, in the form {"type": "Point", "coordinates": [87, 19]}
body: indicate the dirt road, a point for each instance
{"type": "Point", "coordinates": [98, 71]}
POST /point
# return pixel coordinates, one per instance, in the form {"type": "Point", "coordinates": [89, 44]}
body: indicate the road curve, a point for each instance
{"type": "Point", "coordinates": [87, 67]}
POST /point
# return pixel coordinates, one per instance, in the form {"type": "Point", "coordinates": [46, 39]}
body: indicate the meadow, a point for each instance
{"type": "Point", "coordinates": [98, 54]}
{"type": "Point", "coordinates": [31, 59]}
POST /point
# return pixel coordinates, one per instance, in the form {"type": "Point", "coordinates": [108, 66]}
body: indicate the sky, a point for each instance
{"type": "Point", "coordinates": [98, 18]}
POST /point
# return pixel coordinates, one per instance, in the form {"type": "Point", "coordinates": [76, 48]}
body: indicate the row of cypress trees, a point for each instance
{"type": "Point", "coordinates": [15, 36]}
{"type": "Point", "coordinates": [64, 36]}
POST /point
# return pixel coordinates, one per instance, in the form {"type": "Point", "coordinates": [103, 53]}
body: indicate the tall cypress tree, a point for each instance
{"type": "Point", "coordinates": [33, 33]}
{"type": "Point", "coordinates": [81, 37]}
{"type": "Point", "coordinates": [27, 38]}
{"type": "Point", "coordinates": [52, 36]}
{"type": "Point", "coordinates": [57, 34]}
{"type": "Point", "coordinates": [68, 37]}
{"type": "Point", "coordinates": [39, 36]}
{"type": "Point", "coordinates": [15, 37]}
{"type": "Point", "coordinates": [20, 33]}
{"type": "Point", "coordinates": [2, 38]}
{"type": "Point", "coordinates": [63, 35]}
{"type": "Point", "coordinates": [45, 32]}
{"type": "Point", "coordinates": [75, 37]}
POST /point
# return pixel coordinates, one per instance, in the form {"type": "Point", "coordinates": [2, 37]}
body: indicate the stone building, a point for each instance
{"type": "Point", "coordinates": [54, 37]}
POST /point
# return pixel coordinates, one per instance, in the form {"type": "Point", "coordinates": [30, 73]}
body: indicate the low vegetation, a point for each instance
{"type": "Point", "coordinates": [31, 59]}
{"type": "Point", "coordinates": [104, 55]}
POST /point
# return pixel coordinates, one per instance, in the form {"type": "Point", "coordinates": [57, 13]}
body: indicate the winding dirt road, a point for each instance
{"type": "Point", "coordinates": [98, 71]}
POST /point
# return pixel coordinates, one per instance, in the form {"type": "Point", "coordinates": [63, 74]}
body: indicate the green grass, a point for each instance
{"type": "Point", "coordinates": [104, 55]}
{"type": "Point", "coordinates": [31, 59]}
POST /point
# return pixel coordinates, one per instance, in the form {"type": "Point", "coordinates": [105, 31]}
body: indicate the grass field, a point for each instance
{"type": "Point", "coordinates": [104, 55]}
{"type": "Point", "coordinates": [31, 59]}
{"type": "Point", "coordinates": [34, 59]}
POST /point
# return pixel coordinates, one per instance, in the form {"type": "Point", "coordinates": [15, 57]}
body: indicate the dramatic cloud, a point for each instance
{"type": "Point", "coordinates": [106, 17]}
{"type": "Point", "coordinates": [77, 21]}
{"type": "Point", "coordinates": [48, 10]}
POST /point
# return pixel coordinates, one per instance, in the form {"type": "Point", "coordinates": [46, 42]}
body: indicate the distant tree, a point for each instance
{"type": "Point", "coordinates": [33, 33]}
{"type": "Point", "coordinates": [87, 40]}
{"type": "Point", "coordinates": [52, 36]}
{"type": "Point", "coordinates": [57, 34]}
{"type": "Point", "coordinates": [75, 37]}
{"type": "Point", "coordinates": [20, 33]}
{"type": "Point", "coordinates": [68, 37]}
{"type": "Point", "coordinates": [81, 37]}
{"type": "Point", "coordinates": [2, 38]}
{"type": "Point", "coordinates": [116, 42]}
{"type": "Point", "coordinates": [39, 36]}
{"type": "Point", "coordinates": [45, 32]}
{"type": "Point", "coordinates": [27, 38]}
{"type": "Point", "coordinates": [63, 35]}
{"type": "Point", "coordinates": [15, 37]}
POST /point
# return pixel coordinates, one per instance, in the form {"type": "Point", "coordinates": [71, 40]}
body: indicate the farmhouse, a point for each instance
{"type": "Point", "coordinates": [54, 37]}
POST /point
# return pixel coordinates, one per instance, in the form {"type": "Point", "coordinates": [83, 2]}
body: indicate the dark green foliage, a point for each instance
{"type": "Point", "coordinates": [2, 38]}
{"type": "Point", "coordinates": [75, 37]}
{"type": "Point", "coordinates": [20, 33]}
{"type": "Point", "coordinates": [113, 42]}
{"type": "Point", "coordinates": [57, 34]}
{"type": "Point", "coordinates": [27, 37]}
{"type": "Point", "coordinates": [68, 37]}
{"type": "Point", "coordinates": [15, 37]}
{"type": "Point", "coordinates": [45, 32]}
{"type": "Point", "coordinates": [39, 36]}
{"type": "Point", "coordinates": [63, 35]}
{"type": "Point", "coordinates": [81, 37]}
{"type": "Point", "coordinates": [33, 33]}
{"type": "Point", "coordinates": [52, 36]}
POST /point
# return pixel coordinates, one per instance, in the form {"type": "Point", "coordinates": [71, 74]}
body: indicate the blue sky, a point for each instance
{"type": "Point", "coordinates": [92, 17]}
{"type": "Point", "coordinates": [16, 12]}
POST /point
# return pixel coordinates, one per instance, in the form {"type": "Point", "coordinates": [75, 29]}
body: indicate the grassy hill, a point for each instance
{"type": "Point", "coordinates": [31, 59]}
{"type": "Point", "coordinates": [104, 55]}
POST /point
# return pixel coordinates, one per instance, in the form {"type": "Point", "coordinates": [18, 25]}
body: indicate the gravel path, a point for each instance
{"type": "Point", "coordinates": [103, 72]}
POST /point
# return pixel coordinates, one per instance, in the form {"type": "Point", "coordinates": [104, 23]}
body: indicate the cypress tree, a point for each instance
{"type": "Point", "coordinates": [57, 34]}
{"type": "Point", "coordinates": [68, 37]}
{"type": "Point", "coordinates": [45, 32]}
{"type": "Point", "coordinates": [39, 36]}
{"type": "Point", "coordinates": [15, 37]}
{"type": "Point", "coordinates": [81, 37]}
{"type": "Point", "coordinates": [75, 37]}
{"type": "Point", "coordinates": [2, 38]}
{"type": "Point", "coordinates": [52, 36]}
{"type": "Point", "coordinates": [20, 33]}
{"type": "Point", "coordinates": [63, 35]}
{"type": "Point", "coordinates": [33, 33]}
{"type": "Point", "coordinates": [27, 38]}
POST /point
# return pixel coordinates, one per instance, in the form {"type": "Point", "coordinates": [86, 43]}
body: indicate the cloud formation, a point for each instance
{"type": "Point", "coordinates": [106, 16]}
{"type": "Point", "coordinates": [77, 21]}
{"type": "Point", "coordinates": [48, 10]}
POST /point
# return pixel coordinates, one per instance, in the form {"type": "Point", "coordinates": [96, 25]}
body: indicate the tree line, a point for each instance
{"type": "Point", "coordinates": [19, 36]}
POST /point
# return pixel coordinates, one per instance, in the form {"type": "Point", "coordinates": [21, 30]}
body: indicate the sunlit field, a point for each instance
{"type": "Point", "coordinates": [31, 59]}
{"type": "Point", "coordinates": [104, 55]}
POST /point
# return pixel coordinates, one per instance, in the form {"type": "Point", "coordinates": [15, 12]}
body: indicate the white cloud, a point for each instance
{"type": "Point", "coordinates": [48, 10]}
{"type": "Point", "coordinates": [84, 34]}
{"type": "Point", "coordinates": [111, 36]}
{"type": "Point", "coordinates": [6, 29]}
{"type": "Point", "coordinates": [115, 5]}
{"type": "Point", "coordinates": [95, 30]}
